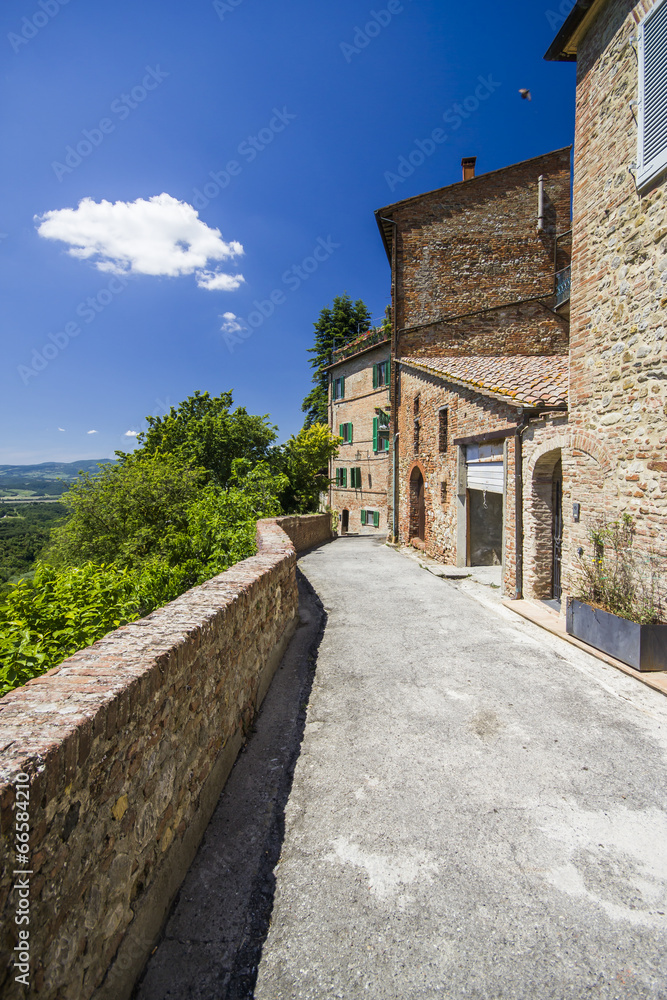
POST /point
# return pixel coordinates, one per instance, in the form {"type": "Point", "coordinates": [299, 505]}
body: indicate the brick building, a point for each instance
{"type": "Point", "coordinates": [614, 452]}
{"type": "Point", "coordinates": [359, 412]}
{"type": "Point", "coordinates": [480, 341]}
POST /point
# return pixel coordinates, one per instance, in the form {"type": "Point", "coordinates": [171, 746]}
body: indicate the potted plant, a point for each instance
{"type": "Point", "coordinates": [617, 603]}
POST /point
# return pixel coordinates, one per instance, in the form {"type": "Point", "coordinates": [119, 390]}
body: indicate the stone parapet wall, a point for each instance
{"type": "Point", "coordinates": [305, 530]}
{"type": "Point", "coordinates": [127, 745]}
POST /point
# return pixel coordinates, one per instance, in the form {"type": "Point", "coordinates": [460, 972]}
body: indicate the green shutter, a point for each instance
{"type": "Point", "coordinates": [342, 387]}
{"type": "Point", "coordinates": [349, 440]}
{"type": "Point", "coordinates": [376, 518]}
{"type": "Point", "coordinates": [375, 433]}
{"type": "Point", "coordinates": [375, 376]}
{"type": "Point", "coordinates": [343, 477]}
{"type": "Point", "coordinates": [363, 517]}
{"type": "Point", "coordinates": [387, 372]}
{"type": "Point", "coordinates": [340, 431]}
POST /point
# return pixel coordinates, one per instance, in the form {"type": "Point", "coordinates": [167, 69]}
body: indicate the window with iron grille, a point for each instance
{"type": "Point", "coordinates": [442, 430]}
{"type": "Point", "coordinates": [652, 122]}
{"type": "Point", "coordinates": [416, 434]}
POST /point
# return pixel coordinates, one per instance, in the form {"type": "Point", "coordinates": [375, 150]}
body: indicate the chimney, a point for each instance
{"type": "Point", "coordinates": [468, 164]}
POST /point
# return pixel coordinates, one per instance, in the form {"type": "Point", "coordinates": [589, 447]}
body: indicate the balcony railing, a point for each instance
{"type": "Point", "coordinates": [562, 286]}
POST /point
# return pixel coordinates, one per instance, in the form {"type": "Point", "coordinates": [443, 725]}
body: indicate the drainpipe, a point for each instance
{"type": "Point", "coordinates": [540, 204]}
{"type": "Point", "coordinates": [518, 502]}
{"type": "Point", "coordinates": [393, 490]}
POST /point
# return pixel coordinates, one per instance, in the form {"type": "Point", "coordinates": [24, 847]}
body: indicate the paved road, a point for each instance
{"type": "Point", "coordinates": [478, 809]}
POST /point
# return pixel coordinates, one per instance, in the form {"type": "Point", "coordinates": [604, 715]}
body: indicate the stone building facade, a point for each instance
{"type": "Point", "coordinates": [359, 411]}
{"type": "Point", "coordinates": [480, 347]}
{"type": "Point", "coordinates": [617, 443]}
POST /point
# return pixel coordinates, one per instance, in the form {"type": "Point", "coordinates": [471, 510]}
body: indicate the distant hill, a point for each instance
{"type": "Point", "coordinates": [45, 479]}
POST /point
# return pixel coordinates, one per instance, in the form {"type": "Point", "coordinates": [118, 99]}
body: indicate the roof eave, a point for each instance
{"type": "Point", "coordinates": [485, 391]}
{"type": "Point", "coordinates": [564, 46]}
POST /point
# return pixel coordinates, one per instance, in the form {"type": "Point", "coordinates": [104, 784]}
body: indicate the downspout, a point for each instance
{"type": "Point", "coordinates": [518, 502]}
{"type": "Point", "coordinates": [393, 491]}
{"type": "Point", "coordinates": [540, 204]}
{"type": "Point", "coordinates": [393, 353]}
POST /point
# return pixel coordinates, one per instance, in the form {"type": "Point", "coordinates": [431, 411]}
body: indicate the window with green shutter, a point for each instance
{"type": "Point", "coordinates": [355, 478]}
{"type": "Point", "coordinates": [363, 517]}
{"type": "Point", "coordinates": [381, 374]}
{"type": "Point", "coordinates": [375, 433]}
{"type": "Point", "coordinates": [338, 391]}
{"type": "Point", "coordinates": [345, 431]}
{"type": "Point", "coordinates": [381, 432]}
{"type": "Point", "coordinates": [376, 518]}
{"type": "Point", "coordinates": [341, 477]}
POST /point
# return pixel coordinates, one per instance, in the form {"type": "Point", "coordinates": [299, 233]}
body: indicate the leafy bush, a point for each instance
{"type": "Point", "coordinates": [181, 509]}
{"type": "Point", "coordinates": [618, 579]}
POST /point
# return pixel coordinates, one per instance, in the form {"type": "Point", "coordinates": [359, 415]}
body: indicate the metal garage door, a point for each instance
{"type": "Point", "coordinates": [484, 467]}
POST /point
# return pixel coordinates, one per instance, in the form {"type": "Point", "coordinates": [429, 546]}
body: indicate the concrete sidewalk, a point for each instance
{"type": "Point", "coordinates": [478, 809]}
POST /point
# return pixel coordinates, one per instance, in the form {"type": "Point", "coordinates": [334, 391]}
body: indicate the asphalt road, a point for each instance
{"type": "Point", "coordinates": [478, 809]}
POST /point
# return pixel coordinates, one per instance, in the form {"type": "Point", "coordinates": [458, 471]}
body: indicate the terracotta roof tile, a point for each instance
{"type": "Point", "coordinates": [525, 381]}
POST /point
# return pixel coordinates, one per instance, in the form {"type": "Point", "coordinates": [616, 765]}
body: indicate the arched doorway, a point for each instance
{"type": "Point", "coordinates": [556, 529]}
{"type": "Point", "coordinates": [417, 505]}
{"type": "Point", "coordinates": [544, 528]}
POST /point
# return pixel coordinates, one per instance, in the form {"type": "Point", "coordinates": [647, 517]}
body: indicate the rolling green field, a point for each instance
{"type": "Point", "coordinates": [24, 531]}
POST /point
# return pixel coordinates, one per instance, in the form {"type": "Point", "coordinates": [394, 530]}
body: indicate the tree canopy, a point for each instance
{"type": "Point", "coordinates": [336, 326]}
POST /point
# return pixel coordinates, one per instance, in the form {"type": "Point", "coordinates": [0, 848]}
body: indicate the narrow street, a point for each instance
{"type": "Point", "coordinates": [478, 810]}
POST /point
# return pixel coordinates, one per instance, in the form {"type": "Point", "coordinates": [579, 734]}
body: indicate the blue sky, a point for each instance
{"type": "Point", "coordinates": [302, 111]}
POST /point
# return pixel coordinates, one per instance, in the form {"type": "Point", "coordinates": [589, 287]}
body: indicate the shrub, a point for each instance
{"type": "Point", "coordinates": [618, 579]}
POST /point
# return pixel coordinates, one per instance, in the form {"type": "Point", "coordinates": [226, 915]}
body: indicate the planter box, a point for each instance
{"type": "Point", "coordinates": [643, 647]}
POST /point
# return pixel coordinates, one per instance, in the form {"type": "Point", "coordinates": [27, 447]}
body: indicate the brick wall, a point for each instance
{"type": "Point", "coordinates": [127, 745]}
{"type": "Point", "coordinates": [359, 407]}
{"type": "Point", "coordinates": [618, 388]}
{"type": "Point", "coordinates": [469, 413]}
{"type": "Point", "coordinates": [475, 246]}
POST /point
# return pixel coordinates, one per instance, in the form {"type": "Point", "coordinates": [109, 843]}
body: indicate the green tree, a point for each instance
{"type": "Point", "coordinates": [336, 326]}
{"type": "Point", "coordinates": [305, 461]}
{"type": "Point", "coordinates": [126, 512]}
{"type": "Point", "coordinates": [203, 433]}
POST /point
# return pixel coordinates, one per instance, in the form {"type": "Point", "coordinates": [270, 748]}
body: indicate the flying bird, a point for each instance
{"type": "Point", "coordinates": [525, 94]}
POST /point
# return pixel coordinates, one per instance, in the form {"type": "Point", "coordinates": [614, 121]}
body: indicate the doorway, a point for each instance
{"type": "Point", "coordinates": [417, 505]}
{"type": "Point", "coordinates": [557, 529]}
{"type": "Point", "coordinates": [344, 522]}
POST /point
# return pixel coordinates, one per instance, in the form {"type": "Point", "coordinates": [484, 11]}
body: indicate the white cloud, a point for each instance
{"type": "Point", "coordinates": [231, 323]}
{"type": "Point", "coordinates": [61, 428]}
{"type": "Point", "coordinates": [131, 434]}
{"type": "Point", "coordinates": [158, 236]}
{"type": "Point", "coordinates": [92, 432]}
{"type": "Point", "coordinates": [214, 281]}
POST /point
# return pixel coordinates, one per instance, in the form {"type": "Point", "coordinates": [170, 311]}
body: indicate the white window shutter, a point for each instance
{"type": "Point", "coordinates": [652, 146]}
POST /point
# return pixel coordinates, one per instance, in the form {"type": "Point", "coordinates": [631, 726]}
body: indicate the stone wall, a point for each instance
{"type": "Point", "coordinates": [359, 407]}
{"type": "Point", "coordinates": [126, 747]}
{"type": "Point", "coordinates": [618, 383]}
{"type": "Point", "coordinates": [468, 413]}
